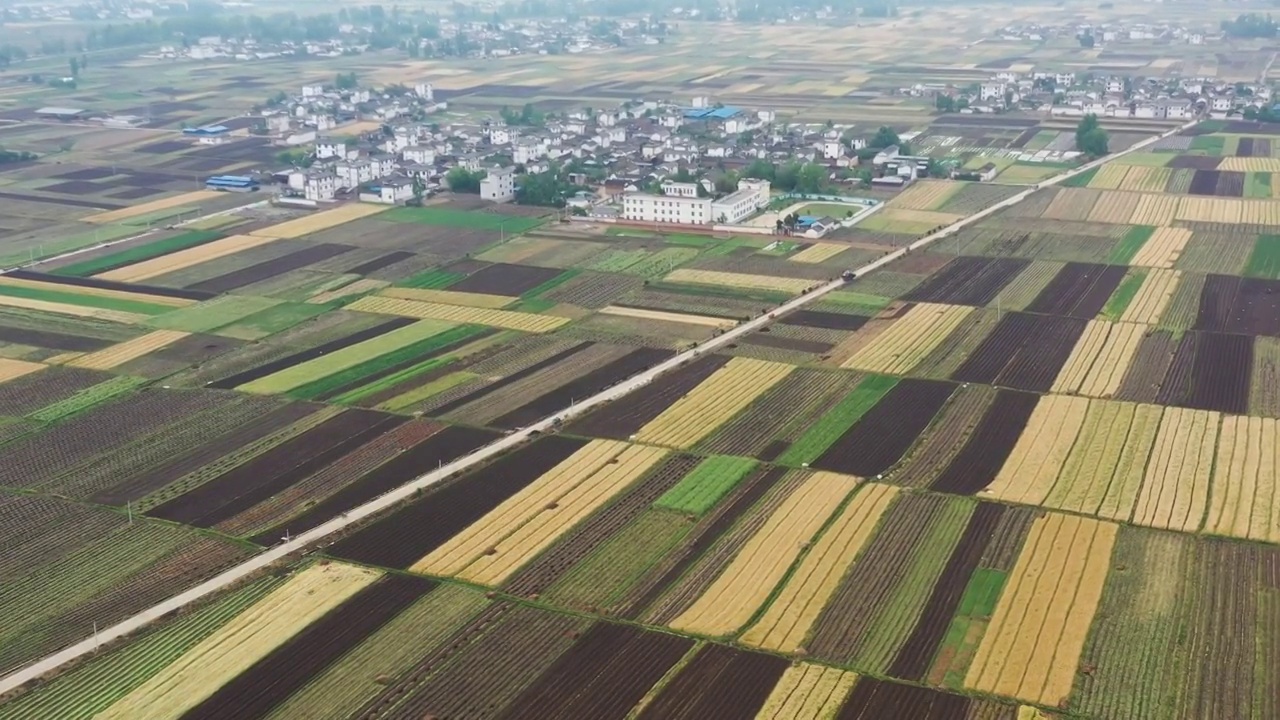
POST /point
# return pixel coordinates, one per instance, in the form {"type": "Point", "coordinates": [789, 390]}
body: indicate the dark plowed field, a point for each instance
{"type": "Point", "coordinates": [137, 486]}
{"type": "Point", "coordinates": [1210, 371]}
{"type": "Point", "coordinates": [517, 376]}
{"type": "Point", "coordinates": [873, 699]}
{"type": "Point", "coordinates": [379, 263]}
{"type": "Point", "coordinates": [505, 279]}
{"type": "Point", "coordinates": [719, 682]}
{"type": "Point", "coordinates": [888, 430]}
{"type": "Point", "coordinates": [1146, 372]}
{"type": "Point", "coordinates": [1204, 182]}
{"type": "Point", "coordinates": [439, 449]}
{"type": "Point", "coordinates": [65, 202]}
{"type": "Point", "coordinates": [602, 677]}
{"type": "Point", "coordinates": [52, 340]}
{"type": "Point", "coordinates": [622, 418]}
{"type": "Point", "coordinates": [968, 281]}
{"type": "Point", "coordinates": [271, 268]}
{"type": "Point", "coordinates": [1024, 352]}
{"type": "Point", "coordinates": [32, 392]}
{"type": "Point", "coordinates": [1194, 162]}
{"type": "Point", "coordinates": [1248, 306]}
{"type": "Point", "coordinates": [255, 692]}
{"type": "Point", "coordinates": [1078, 290]}
{"type": "Point", "coordinates": [982, 456]}
{"type": "Point", "coordinates": [110, 285]}
{"type": "Point", "coordinates": [277, 469]}
{"type": "Point", "coordinates": [277, 365]}
{"type": "Point", "coordinates": [916, 654]}
{"type": "Point", "coordinates": [402, 538]}
{"type": "Point", "coordinates": [825, 320]}
{"type": "Point", "coordinates": [585, 386]}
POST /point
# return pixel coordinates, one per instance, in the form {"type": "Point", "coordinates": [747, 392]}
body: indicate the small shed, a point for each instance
{"type": "Point", "coordinates": [231, 183]}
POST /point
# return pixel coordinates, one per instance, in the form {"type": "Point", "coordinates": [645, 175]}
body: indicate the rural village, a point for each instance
{"type": "Point", "coordinates": [639, 360]}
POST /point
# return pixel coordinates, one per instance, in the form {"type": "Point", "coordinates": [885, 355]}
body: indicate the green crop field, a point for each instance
{"type": "Point", "coordinates": [462, 219]}
{"type": "Point", "coordinates": [1123, 295]}
{"type": "Point", "coordinates": [1130, 244]}
{"type": "Point", "coordinates": [831, 426]}
{"type": "Point", "coordinates": [139, 253]}
{"type": "Point", "coordinates": [701, 489]}
{"type": "Point", "coordinates": [1264, 261]}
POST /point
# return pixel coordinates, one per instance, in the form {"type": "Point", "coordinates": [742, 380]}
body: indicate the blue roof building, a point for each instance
{"type": "Point", "coordinates": [232, 183]}
{"type": "Point", "coordinates": [207, 130]}
{"type": "Point", "coordinates": [720, 113]}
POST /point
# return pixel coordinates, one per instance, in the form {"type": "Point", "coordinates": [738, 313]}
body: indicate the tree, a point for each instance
{"type": "Point", "coordinates": [75, 67]}
{"type": "Point", "coordinates": [1090, 138]}
{"type": "Point", "coordinates": [462, 180]}
{"type": "Point", "coordinates": [883, 138]}
{"type": "Point", "coordinates": [1086, 40]}
{"type": "Point", "coordinates": [346, 81]}
{"type": "Point", "coordinates": [944, 103]}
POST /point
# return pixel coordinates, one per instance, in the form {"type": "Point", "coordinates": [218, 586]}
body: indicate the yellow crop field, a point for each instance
{"type": "Point", "coordinates": [98, 292]}
{"type": "Point", "coordinates": [1154, 209]}
{"type": "Point", "coordinates": [150, 207]}
{"type": "Point", "coordinates": [741, 280]}
{"type": "Point", "coordinates": [909, 339]}
{"type": "Point", "coordinates": [184, 258]}
{"type": "Point", "coordinates": [1249, 164]}
{"type": "Point", "coordinates": [1071, 204]}
{"type": "Point", "coordinates": [1031, 470]}
{"type": "Point", "coordinates": [926, 194]}
{"type": "Point", "coordinates": [1103, 473]}
{"type": "Point", "coordinates": [1153, 297]}
{"type": "Point", "coordinates": [116, 355]}
{"type": "Point", "coordinates": [786, 623]}
{"type": "Point", "coordinates": [1242, 502]}
{"type": "Point", "coordinates": [1209, 209]}
{"type": "Point", "coordinates": [1100, 358]}
{"type": "Point", "coordinates": [508, 319]}
{"type": "Point", "coordinates": [449, 297]}
{"type": "Point", "coordinates": [322, 220]}
{"type": "Point", "coordinates": [928, 219]}
{"type": "Point", "coordinates": [1147, 179]}
{"type": "Point", "coordinates": [455, 554]}
{"type": "Point", "coordinates": [1109, 177]}
{"type": "Point", "coordinates": [808, 691]}
{"type": "Point", "coordinates": [247, 638]}
{"type": "Point", "coordinates": [511, 551]}
{"type": "Point", "coordinates": [1163, 248]}
{"type": "Point", "coordinates": [666, 316]}
{"type": "Point", "coordinates": [11, 369]}
{"type": "Point", "coordinates": [1114, 207]}
{"type": "Point", "coordinates": [818, 252]}
{"type": "Point", "coordinates": [1260, 212]}
{"type": "Point", "coordinates": [713, 402]}
{"type": "Point", "coordinates": [749, 579]}
{"type": "Point", "coordinates": [1031, 650]}
{"type": "Point", "coordinates": [59, 308]}
{"type": "Point", "coordinates": [1175, 488]}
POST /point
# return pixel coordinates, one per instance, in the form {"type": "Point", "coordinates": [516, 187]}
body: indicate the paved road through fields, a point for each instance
{"type": "Point", "coordinates": [315, 535]}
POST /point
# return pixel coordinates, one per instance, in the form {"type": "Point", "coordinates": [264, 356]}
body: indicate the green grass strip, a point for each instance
{"type": "Point", "coordinates": [1130, 244]}
{"type": "Point", "coordinates": [271, 320]}
{"type": "Point", "coordinates": [429, 390]}
{"type": "Point", "coordinates": [1123, 295]}
{"type": "Point", "coordinates": [702, 488]}
{"type": "Point", "coordinates": [139, 253]}
{"type": "Point", "coordinates": [843, 416]}
{"type": "Point", "coordinates": [1209, 143]}
{"type": "Point", "coordinates": [431, 280]}
{"type": "Point", "coordinates": [84, 300]}
{"type": "Point", "coordinates": [222, 311]}
{"type": "Point", "coordinates": [1081, 180]}
{"type": "Point", "coordinates": [89, 690]}
{"type": "Point", "coordinates": [1264, 260]}
{"type": "Point", "coordinates": [691, 240]}
{"type": "Point", "coordinates": [859, 302]}
{"type": "Point", "coordinates": [327, 385]}
{"type": "Point", "coordinates": [87, 398]}
{"type": "Point", "coordinates": [764, 296]}
{"type": "Point", "coordinates": [463, 219]}
{"type": "Point", "coordinates": [982, 592]}
{"type": "Point", "coordinates": [551, 284]}
{"type": "Point", "coordinates": [1257, 185]}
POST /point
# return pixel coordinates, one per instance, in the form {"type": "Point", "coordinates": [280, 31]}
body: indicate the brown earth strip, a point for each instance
{"type": "Point", "coordinates": [400, 539]}
{"type": "Point", "coordinates": [826, 320]}
{"type": "Point", "coordinates": [805, 393]}
{"type": "Point", "coordinates": [1177, 380]}
{"type": "Point", "coordinates": [917, 652]}
{"type": "Point", "coordinates": [585, 386]}
{"type": "Point", "coordinates": [505, 279]}
{"type": "Point", "coordinates": [719, 682]}
{"type": "Point", "coordinates": [271, 268]}
{"type": "Point", "coordinates": [977, 464]}
{"type": "Point", "coordinates": [625, 416]}
{"type": "Point", "coordinates": [1221, 373]}
{"type": "Point", "coordinates": [968, 281]}
{"type": "Point", "coordinates": [89, 282]}
{"type": "Point", "coordinates": [1248, 306]}
{"type": "Point", "coordinates": [1079, 290]}
{"type": "Point", "coordinates": [445, 446]}
{"type": "Point", "coordinates": [1003, 550]}
{"type": "Point", "coordinates": [525, 372]}
{"type": "Point", "coordinates": [885, 433]}
{"type": "Point", "coordinates": [379, 263]}
{"type": "Point", "coordinates": [874, 699]}
{"type": "Point", "coordinates": [1024, 352]}
{"type": "Point", "coordinates": [67, 202]}
{"type": "Point", "coordinates": [960, 418]}
{"type": "Point", "coordinates": [1142, 381]}
{"type": "Point", "coordinates": [771, 340]}
{"type": "Point", "coordinates": [604, 675]}
{"type": "Point", "coordinates": [32, 392]}
{"type": "Point", "coordinates": [52, 340]}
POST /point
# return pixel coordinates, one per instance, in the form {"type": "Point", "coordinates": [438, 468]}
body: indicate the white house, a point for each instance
{"type": "Point", "coordinates": [425, 91]}
{"type": "Point", "coordinates": [500, 135]}
{"type": "Point", "coordinates": [645, 207]}
{"type": "Point", "coordinates": [389, 191]}
{"type": "Point", "coordinates": [320, 186]}
{"type": "Point", "coordinates": [498, 185]}
{"type": "Point", "coordinates": [326, 150]}
{"type": "Point", "coordinates": [418, 155]}
{"type": "Point", "coordinates": [312, 91]}
{"type": "Point", "coordinates": [832, 149]}
{"type": "Point", "coordinates": [749, 198]}
{"type": "Point", "coordinates": [992, 91]}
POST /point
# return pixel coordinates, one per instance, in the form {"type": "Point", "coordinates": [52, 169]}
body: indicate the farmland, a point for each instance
{"type": "Point", "coordinates": [1027, 469]}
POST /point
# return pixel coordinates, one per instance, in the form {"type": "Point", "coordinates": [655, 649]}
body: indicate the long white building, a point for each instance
{"type": "Point", "coordinates": [678, 207]}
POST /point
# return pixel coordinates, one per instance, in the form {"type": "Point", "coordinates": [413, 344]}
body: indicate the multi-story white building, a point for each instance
{"type": "Point", "coordinates": [320, 186]}
{"type": "Point", "coordinates": [419, 155]}
{"type": "Point", "coordinates": [680, 203]}
{"type": "Point", "coordinates": [499, 185]}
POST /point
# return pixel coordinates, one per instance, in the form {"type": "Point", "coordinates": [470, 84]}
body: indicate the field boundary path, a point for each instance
{"type": "Point", "coordinates": [507, 442]}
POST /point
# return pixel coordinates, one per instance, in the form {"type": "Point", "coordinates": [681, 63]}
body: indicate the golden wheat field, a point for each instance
{"type": "Point", "coordinates": [508, 319]}
{"type": "Point", "coordinates": [182, 259]}
{"type": "Point", "coordinates": [740, 280]}
{"type": "Point", "coordinates": [322, 220]}
{"type": "Point", "coordinates": [150, 207]}
{"type": "Point", "coordinates": [713, 402]}
{"type": "Point", "coordinates": [818, 252]}
{"type": "Point", "coordinates": [926, 194]}
{"type": "Point", "coordinates": [909, 339]}
{"type": "Point", "coordinates": [122, 353]}
{"type": "Point", "coordinates": [1163, 248]}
